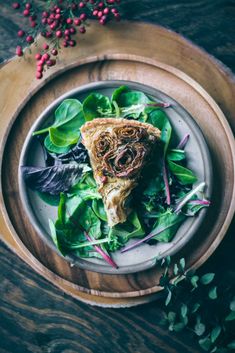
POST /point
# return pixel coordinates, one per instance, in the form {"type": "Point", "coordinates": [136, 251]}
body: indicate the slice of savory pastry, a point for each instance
{"type": "Point", "coordinates": [118, 151]}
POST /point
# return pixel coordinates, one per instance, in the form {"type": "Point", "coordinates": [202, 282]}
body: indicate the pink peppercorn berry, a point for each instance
{"type": "Point", "coordinates": [38, 75]}
{"type": "Point", "coordinates": [16, 5]}
{"type": "Point", "coordinates": [54, 52]}
{"type": "Point", "coordinates": [26, 12]}
{"type": "Point", "coordinates": [19, 51]}
{"type": "Point", "coordinates": [77, 21]}
{"type": "Point", "coordinates": [38, 56]}
{"type": "Point", "coordinates": [82, 30]}
{"type": "Point", "coordinates": [45, 46]}
{"type": "Point", "coordinates": [29, 39]}
{"type": "Point", "coordinates": [21, 33]}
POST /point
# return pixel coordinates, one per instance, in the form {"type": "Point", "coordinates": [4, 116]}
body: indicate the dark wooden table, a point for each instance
{"type": "Point", "coordinates": [37, 317]}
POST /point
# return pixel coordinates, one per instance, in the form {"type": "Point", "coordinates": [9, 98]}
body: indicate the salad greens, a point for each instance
{"type": "Point", "coordinates": [164, 198]}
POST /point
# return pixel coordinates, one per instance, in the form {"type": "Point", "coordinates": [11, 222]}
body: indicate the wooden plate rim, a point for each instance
{"type": "Point", "coordinates": [179, 74]}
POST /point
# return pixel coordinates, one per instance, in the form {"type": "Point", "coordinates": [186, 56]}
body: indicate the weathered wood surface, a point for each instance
{"type": "Point", "coordinates": [35, 316]}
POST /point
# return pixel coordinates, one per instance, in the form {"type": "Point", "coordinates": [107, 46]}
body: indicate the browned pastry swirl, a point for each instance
{"type": "Point", "coordinates": [125, 161]}
{"type": "Point", "coordinates": [130, 133]}
{"type": "Point", "coordinates": [104, 143]}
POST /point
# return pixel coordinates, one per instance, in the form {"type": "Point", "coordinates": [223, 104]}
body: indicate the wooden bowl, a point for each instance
{"type": "Point", "coordinates": [165, 66]}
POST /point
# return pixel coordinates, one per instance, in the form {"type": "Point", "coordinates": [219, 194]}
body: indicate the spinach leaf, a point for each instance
{"type": "Point", "coordinates": [53, 148]}
{"type": "Point", "coordinates": [53, 180]}
{"type": "Point", "coordinates": [184, 175]}
{"type": "Point", "coordinates": [98, 208]}
{"type": "Point", "coordinates": [159, 119]}
{"type": "Point", "coordinates": [69, 115]}
{"type": "Point", "coordinates": [155, 185]}
{"type": "Point", "coordinates": [118, 91]}
{"type": "Point", "coordinates": [62, 137]}
{"type": "Point", "coordinates": [130, 103]}
{"type": "Point", "coordinates": [74, 212]}
{"type": "Point", "coordinates": [85, 192]}
{"type": "Point", "coordinates": [175, 155]}
{"type": "Point", "coordinates": [96, 105]}
{"type": "Point", "coordinates": [130, 229]}
{"type": "Point", "coordinates": [169, 220]}
{"type": "Point", "coordinates": [69, 209]}
{"type": "Point", "coordinates": [90, 222]}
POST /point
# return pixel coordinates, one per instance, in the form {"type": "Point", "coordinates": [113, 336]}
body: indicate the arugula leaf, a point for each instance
{"type": "Point", "coordinates": [96, 105]}
{"type": "Point", "coordinates": [184, 175]}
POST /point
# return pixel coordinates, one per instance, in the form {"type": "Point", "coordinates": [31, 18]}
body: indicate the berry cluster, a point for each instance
{"type": "Point", "coordinates": [58, 23]}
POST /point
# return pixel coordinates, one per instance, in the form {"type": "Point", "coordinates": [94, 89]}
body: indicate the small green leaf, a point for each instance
{"type": "Point", "coordinates": [207, 278]}
{"type": "Point", "coordinates": [199, 328]}
{"type": "Point", "coordinates": [194, 281]}
{"type": "Point", "coordinates": [182, 264]}
{"type": "Point", "coordinates": [176, 269]}
{"type": "Point", "coordinates": [205, 343]}
{"type": "Point", "coordinates": [230, 316]}
{"type": "Point", "coordinates": [168, 298]}
{"type": "Point", "coordinates": [232, 305]}
{"type": "Point", "coordinates": [215, 333]}
{"type": "Point", "coordinates": [184, 310]}
{"type": "Point", "coordinates": [195, 308]}
{"type": "Point", "coordinates": [214, 349]}
{"type": "Point", "coordinates": [213, 293]}
{"type": "Point", "coordinates": [231, 345]}
{"type": "Point", "coordinates": [179, 326]}
{"type": "Point", "coordinates": [171, 316]}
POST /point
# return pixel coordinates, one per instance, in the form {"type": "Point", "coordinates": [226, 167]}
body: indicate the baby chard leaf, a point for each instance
{"type": "Point", "coordinates": [184, 175]}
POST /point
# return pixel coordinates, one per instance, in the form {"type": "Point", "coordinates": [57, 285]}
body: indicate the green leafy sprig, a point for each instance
{"type": "Point", "coordinates": [199, 304]}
